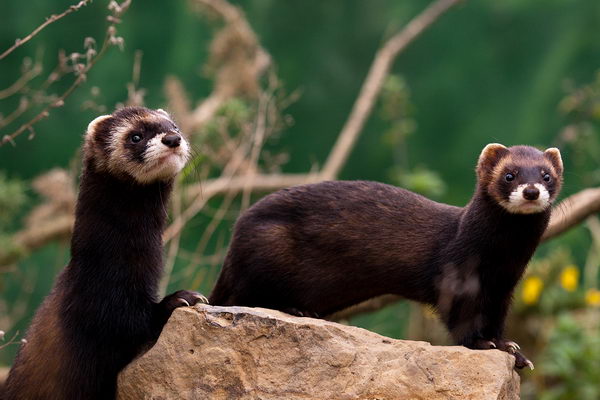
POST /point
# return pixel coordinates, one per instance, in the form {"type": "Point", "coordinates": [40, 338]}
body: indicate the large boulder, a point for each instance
{"type": "Point", "coordinates": [209, 352]}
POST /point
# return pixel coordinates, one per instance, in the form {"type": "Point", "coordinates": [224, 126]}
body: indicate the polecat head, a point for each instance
{"type": "Point", "coordinates": [522, 179]}
{"type": "Point", "coordinates": [138, 143]}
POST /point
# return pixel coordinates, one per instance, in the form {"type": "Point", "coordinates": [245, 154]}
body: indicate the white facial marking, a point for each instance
{"type": "Point", "coordinates": [161, 161]}
{"type": "Point", "coordinates": [518, 204]}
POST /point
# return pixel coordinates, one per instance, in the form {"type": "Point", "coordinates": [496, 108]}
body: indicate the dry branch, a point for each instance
{"type": "Point", "coordinates": [237, 61]}
{"type": "Point", "coordinates": [572, 211]}
{"type": "Point", "coordinates": [374, 81]}
{"type": "Point", "coordinates": [22, 81]}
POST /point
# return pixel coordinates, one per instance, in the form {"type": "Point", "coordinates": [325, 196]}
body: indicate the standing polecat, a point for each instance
{"type": "Point", "coordinates": [103, 309]}
{"type": "Point", "coordinates": [316, 249]}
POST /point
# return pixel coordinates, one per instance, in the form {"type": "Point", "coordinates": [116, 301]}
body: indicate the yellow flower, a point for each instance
{"type": "Point", "coordinates": [429, 312]}
{"type": "Point", "coordinates": [532, 288]}
{"type": "Point", "coordinates": [592, 297]}
{"type": "Point", "coordinates": [569, 278]}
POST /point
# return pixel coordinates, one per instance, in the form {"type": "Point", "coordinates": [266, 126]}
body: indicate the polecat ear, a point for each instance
{"type": "Point", "coordinates": [553, 154]}
{"type": "Point", "coordinates": [92, 125]}
{"type": "Point", "coordinates": [166, 114]}
{"type": "Point", "coordinates": [489, 156]}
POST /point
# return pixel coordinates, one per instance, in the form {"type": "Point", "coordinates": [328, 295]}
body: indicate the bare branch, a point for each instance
{"type": "Point", "coordinates": [22, 81]}
{"type": "Point", "coordinates": [374, 81]}
{"type": "Point", "coordinates": [49, 20]}
{"type": "Point", "coordinates": [23, 105]}
{"type": "Point", "coordinates": [572, 211]}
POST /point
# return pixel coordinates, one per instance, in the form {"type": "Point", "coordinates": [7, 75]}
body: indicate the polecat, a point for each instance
{"type": "Point", "coordinates": [103, 309]}
{"type": "Point", "coordinates": [316, 249]}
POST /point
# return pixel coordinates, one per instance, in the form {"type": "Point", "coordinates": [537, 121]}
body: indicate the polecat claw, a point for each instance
{"type": "Point", "coordinates": [201, 299]}
{"type": "Point", "coordinates": [182, 298]}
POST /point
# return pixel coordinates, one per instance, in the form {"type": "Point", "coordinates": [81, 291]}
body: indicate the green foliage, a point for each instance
{"type": "Point", "coordinates": [231, 117]}
{"type": "Point", "coordinates": [421, 180]}
{"type": "Point", "coordinates": [397, 110]}
{"type": "Point", "coordinates": [12, 197]}
{"type": "Point", "coordinates": [581, 108]}
{"type": "Point", "coordinates": [562, 312]}
{"type": "Point", "coordinates": [571, 365]}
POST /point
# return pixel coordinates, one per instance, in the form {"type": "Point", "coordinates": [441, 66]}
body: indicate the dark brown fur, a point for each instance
{"type": "Point", "coordinates": [317, 249]}
{"type": "Point", "coordinates": [103, 309]}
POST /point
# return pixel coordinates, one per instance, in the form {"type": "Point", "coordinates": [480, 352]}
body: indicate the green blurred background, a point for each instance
{"type": "Point", "coordinates": [507, 71]}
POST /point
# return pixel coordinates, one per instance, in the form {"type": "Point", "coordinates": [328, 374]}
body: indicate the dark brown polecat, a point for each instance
{"type": "Point", "coordinates": [316, 249]}
{"type": "Point", "coordinates": [103, 309]}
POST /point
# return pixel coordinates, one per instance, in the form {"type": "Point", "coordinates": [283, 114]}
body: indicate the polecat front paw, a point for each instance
{"type": "Point", "coordinates": [513, 348]}
{"type": "Point", "coordinates": [182, 298]}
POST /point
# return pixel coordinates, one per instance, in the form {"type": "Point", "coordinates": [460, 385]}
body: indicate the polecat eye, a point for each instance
{"type": "Point", "coordinates": [135, 138]}
{"type": "Point", "coordinates": [509, 177]}
{"type": "Point", "coordinates": [546, 177]}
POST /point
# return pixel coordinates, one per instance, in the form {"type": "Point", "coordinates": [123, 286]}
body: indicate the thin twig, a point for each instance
{"type": "Point", "coordinates": [11, 341]}
{"type": "Point", "coordinates": [22, 81]}
{"type": "Point", "coordinates": [81, 77]}
{"type": "Point", "coordinates": [257, 145]}
{"type": "Point", "coordinates": [49, 20]}
{"type": "Point", "coordinates": [22, 107]}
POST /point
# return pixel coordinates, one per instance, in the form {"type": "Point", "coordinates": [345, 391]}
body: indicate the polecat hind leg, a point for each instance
{"type": "Point", "coordinates": [513, 348]}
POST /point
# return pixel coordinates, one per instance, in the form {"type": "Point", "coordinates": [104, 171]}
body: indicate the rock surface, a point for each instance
{"type": "Point", "coordinates": [209, 352]}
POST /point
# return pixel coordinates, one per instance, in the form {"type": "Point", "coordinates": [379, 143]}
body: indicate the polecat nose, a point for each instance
{"type": "Point", "coordinates": [531, 193]}
{"type": "Point", "coordinates": [171, 141]}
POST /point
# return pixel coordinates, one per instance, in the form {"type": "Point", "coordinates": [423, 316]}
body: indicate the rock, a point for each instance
{"type": "Point", "coordinates": [209, 352]}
